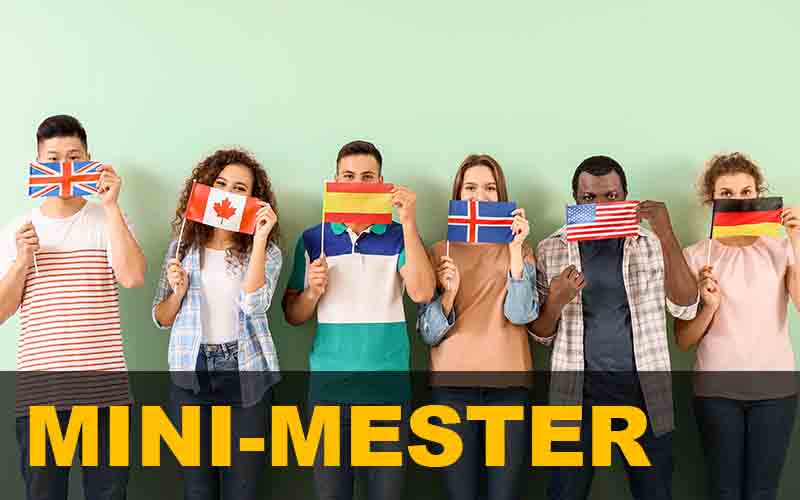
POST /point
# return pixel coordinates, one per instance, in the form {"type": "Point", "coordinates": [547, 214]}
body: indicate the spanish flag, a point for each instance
{"type": "Point", "coordinates": [357, 203]}
{"type": "Point", "coordinates": [754, 217]}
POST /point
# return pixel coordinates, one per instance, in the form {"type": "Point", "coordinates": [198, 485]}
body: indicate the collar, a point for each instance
{"type": "Point", "coordinates": [339, 228]}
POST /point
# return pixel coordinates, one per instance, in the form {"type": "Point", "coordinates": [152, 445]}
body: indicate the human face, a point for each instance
{"type": "Point", "coordinates": [358, 168]}
{"type": "Point", "coordinates": [61, 149]}
{"type": "Point", "coordinates": [599, 188]}
{"type": "Point", "coordinates": [235, 178]}
{"type": "Point", "coordinates": [738, 186]}
{"type": "Point", "coordinates": [479, 184]}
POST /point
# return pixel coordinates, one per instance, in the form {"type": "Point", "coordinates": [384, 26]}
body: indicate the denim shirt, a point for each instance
{"type": "Point", "coordinates": [258, 360]}
{"type": "Point", "coordinates": [520, 307]}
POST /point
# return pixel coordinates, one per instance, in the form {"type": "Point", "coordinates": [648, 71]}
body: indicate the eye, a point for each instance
{"type": "Point", "coordinates": [219, 182]}
{"type": "Point", "coordinates": [492, 188]}
{"type": "Point", "coordinates": [470, 188]}
{"type": "Point", "coordinates": [241, 189]}
{"type": "Point", "coordinates": [74, 157]}
{"type": "Point", "coordinates": [727, 194]}
{"type": "Point", "coordinates": [588, 197]}
{"type": "Point", "coordinates": [348, 176]}
{"type": "Point", "coordinates": [52, 158]}
{"type": "Point", "coordinates": [612, 196]}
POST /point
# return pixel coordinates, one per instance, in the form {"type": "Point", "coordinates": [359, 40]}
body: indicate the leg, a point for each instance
{"type": "Point", "coordinates": [245, 478]}
{"type": "Point", "coordinates": [334, 483]}
{"type": "Point", "coordinates": [505, 483]}
{"type": "Point", "coordinates": [104, 482]}
{"type": "Point", "coordinates": [769, 430]}
{"type": "Point", "coordinates": [41, 483]}
{"type": "Point", "coordinates": [462, 479]}
{"type": "Point", "coordinates": [201, 482]}
{"type": "Point", "coordinates": [388, 483]}
{"type": "Point", "coordinates": [574, 483]}
{"type": "Point", "coordinates": [654, 482]}
{"type": "Point", "coordinates": [722, 428]}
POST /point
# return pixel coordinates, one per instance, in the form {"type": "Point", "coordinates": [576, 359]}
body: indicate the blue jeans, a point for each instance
{"type": "Point", "coordinates": [463, 480]}
{"type": "Point", "coordinates": [745, 444]}
{"type": "Point", "coordinates": [218, 376]}
{"type": "Point", "coordinates": [382, 483]}
{"type": "Point", "coordinates": [52, 482]}
{"type": "Point", "coordinates": [646, 483]}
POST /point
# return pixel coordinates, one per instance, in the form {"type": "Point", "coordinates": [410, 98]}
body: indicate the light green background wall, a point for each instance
{"type": "Point", "coordinates": [158, 85]}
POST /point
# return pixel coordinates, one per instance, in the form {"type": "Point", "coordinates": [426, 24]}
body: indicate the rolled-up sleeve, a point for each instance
{"type": "Point", "coordinates": [163, 290]}
{"type": "Point", "coordinates": [685, 313]}
{"type": "Point", "coordinates": [542, 291]}
{"type": "Point", "coordinates": [521, 305]}
{"type": "Point", "coordinates": [432, 324]}
{"type": "Point", "coordinates": [259, 300]}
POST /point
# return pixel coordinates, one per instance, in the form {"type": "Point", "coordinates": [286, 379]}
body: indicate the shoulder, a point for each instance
{"type": "Point", "coordinates": [552, 243]}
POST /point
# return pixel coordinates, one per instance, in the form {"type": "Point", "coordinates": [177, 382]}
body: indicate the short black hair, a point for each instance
{"type": "Point", "coordinates": [360, 148]}
{"type": "Point", "coordinates": [599, 166]}
{"type": "Point", "coordinates": [60, 126]}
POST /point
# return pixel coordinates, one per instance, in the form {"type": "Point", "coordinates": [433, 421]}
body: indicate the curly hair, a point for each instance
{"type": "Point", "coordinates": [206, 172]}
{"type": "Point", "coordinates": [728, 164]}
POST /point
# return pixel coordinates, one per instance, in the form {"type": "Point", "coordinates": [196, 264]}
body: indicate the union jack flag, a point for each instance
{"type": "Point", "coordinates": [78, 178]}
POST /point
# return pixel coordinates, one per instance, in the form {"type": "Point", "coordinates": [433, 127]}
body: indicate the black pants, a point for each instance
{"type": "Point", "coordinates": [646, 483]}
{"type": "Point", "coordinates": [745, 444]}
{"type": "Point", "coordinates": [382, 483]}
{"type": "Point", "coordinates": [469, 478]}
{"type": "Point", "coordinates": [52, 482]}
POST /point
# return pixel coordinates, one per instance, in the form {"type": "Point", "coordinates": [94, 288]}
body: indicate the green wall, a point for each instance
{"type": "Point", "coordinates": [158, 85]}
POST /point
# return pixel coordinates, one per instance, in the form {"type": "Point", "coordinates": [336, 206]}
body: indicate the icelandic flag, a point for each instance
{"type": "Point", "coordinates": [70, 178]}
{"type": "Point", "coordinates": [480, 221]}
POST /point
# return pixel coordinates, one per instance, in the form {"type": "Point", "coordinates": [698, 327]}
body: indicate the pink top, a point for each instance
{"type": "Point", "coordinates": [750, 331]}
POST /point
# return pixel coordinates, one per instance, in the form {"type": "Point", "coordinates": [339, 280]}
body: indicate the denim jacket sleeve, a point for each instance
{"type": "Point", "coordinates": [163, 290]}
{"type": "Point", "coordinates": [522, 303]}
{"type": "Point", "coordinates": [431, 321]}
{"type": "Point", "coordinates": [258, 302]}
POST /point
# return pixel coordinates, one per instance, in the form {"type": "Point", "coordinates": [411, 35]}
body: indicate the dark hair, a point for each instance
{"type": "Point", "coordinates": [60, 126]}
{"type": "Point", "coordinates": [360, 148]}
{"type": "Point", "coordinates": [728, 164]}
{"type": "Point", "coordinates": [206, 172]}
{"type": "Point", "coordinates": [482, 161]}
{"type": "Point", "coordinates": [599, 166]}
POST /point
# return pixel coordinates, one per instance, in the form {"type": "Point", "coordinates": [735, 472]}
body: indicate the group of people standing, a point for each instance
{"type": "Point", "coordinates": [601, 305]}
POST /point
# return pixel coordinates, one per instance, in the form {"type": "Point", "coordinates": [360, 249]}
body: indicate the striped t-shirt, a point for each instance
{"type": "Point", "coordinates": [70, 348]}
{"type": "Point", "coordinates": [361, 325]}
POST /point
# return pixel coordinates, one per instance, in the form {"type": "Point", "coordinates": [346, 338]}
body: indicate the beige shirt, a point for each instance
{"type": "Point", "coordinates": [482, 339]}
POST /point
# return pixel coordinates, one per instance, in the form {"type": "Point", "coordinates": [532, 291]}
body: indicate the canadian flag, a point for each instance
{"type": "Point", "coordinates": [218, 208]}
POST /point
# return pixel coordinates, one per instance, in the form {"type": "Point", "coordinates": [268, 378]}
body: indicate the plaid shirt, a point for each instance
{"type": "Point", "coordinates": [258, 360]}
{"type": "Point", "coordinates": [643, 275]}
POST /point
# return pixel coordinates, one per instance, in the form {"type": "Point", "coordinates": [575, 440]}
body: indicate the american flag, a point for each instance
{"type": "Point", "coordinates": [600, 221]}
{"type": "Point", "coordinates": [79, 178]}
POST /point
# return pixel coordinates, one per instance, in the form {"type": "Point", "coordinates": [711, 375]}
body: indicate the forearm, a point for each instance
{"type": "Point", "coordinates": [516, 262]}
{"type": "Point", "coordinates": [299, 307]}
{"type": "Point", "coordinates": [128, 260]}
{"type": "Point", "coordinates": [679, 282]}
{"type": "Point", "coordinates": [11, 287]}
{"type": "Point", "coordinates": [254, 279]}
{"type": "Point", "coordinates": [793, 274]}
{"type": "Point", "coordinates": [689, 332]}
{"type": "Point", "coordinates": [167, 310]}
{"type": "Point", "coordinates": [546, 323]}
{"type": "Point", "coordinates": [417, 272]}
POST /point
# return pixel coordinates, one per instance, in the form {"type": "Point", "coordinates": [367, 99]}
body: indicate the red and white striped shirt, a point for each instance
{"type": "Point", "coordinates": [70, 345]}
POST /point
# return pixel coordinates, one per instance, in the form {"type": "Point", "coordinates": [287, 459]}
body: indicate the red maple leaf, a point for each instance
{"type": "Point", "coordinates": [224, 210]}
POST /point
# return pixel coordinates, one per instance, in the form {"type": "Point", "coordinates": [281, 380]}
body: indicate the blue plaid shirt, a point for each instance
{"type": "Point", "coordinates": [258, 360]}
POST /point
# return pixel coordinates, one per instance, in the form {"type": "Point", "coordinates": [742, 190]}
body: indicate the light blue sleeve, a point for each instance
{"type": "Point", "coordinates": [260, 300]}
{"type": "Point", "coordinates": [522, 302]}
{"type": "Point", "coordinates": [431, 321]}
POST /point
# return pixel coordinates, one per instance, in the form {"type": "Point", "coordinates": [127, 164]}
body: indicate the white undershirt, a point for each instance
{"type": "Point", "coordinates": [220, 288]}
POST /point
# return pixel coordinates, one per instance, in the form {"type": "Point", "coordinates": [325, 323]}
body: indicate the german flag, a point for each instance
{"type": "Point", "coordinates": [357, 203]}
{"type": "Point", "coordinates": [754, 217]}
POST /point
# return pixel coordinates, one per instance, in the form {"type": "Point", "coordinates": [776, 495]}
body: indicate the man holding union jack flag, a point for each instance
{"type": "Point", "coordinates": [604, 282]}
{"type": "Point", "coordinates": [60, 266]}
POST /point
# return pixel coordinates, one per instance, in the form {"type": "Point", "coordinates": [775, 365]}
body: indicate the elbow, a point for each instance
{"type": "Point", "coordinates": [132, 280]}
{"type": "Point", "coordinates": [424, 297]}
